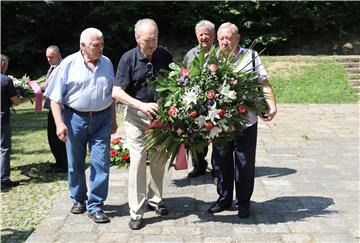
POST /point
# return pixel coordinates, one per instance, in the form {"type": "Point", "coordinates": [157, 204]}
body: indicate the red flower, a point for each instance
{"type": "Point", "coordinates": [113, 153]}
{"type": "Point", "coordinates": [211, 94]}
{"type": "Point", "coordinates": [213, 68]}
{"type": "Point", "coordinates": [116, 140]}
{"type": "Point", "coordinates": [125, 156]}
{"type": "Point", "coordinates": [242, 109]}
{"type": "Point", "coordinates": [193, 114]}
{"type": "Point", "coordinates": [209, 126]}
{"type": "Point", "coordinates": [185, 71]}
{"type": "Point", "coordinates": [221, 112]}
{"type": "Point", "coordinates": [172, 110]}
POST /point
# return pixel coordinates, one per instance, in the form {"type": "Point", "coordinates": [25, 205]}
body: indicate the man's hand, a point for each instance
{"type": "Point", "coordinates": [62, 132]}
{"type": "Point", "coordinates": [151, 109]}
{"type": "Point", "coordinates": [114, 127]}
{"type": "Point", "coordinates": [270, 115]}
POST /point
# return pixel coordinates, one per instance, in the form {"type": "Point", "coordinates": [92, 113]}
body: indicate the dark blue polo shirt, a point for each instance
{"type": "Point", "coordinates": [7, 90]}
{"type": "Point", "coordinates": [133, 69]}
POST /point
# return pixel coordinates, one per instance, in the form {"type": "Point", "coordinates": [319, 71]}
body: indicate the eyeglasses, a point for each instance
{"type": "Point", "coordinates": [149, 75]}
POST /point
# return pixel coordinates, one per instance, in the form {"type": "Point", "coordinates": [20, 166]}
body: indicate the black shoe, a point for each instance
{"type": "Point", "coordinates": [160, 209]}
{"type": "Point", "coordinates": [9, 183]}
{"type": "Point", "coordinates": [78, 208]}
{"type": "Point", "coordinates": [196, 172]}
{"type": "Point", "coordinates": [99, 217]}
{"type": "Point", "coordinates": [243, 213]}
{"type": "Point", "coordinates": [216, 208]}
{"type": "Point", "coordinates": [56, 169]}
{"type": "Point", "coordinates": [136, 224]}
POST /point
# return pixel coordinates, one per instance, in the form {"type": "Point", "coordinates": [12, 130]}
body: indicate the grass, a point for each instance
{"type": "Point", "coordinates": [309, 80]}
{"type": "Point", "coordinates": [295, 80]}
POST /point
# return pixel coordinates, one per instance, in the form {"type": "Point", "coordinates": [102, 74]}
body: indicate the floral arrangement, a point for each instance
{"type": "Point", "coordinates": [119, 154]}
{"type": "Point", "coordinates": [25, 91]}
{"type": "Point", "coordinates": [208, 101]}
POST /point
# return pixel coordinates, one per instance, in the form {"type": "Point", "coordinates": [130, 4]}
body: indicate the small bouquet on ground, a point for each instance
{"type": "Point", "coordinates": [208, 101]}
{"type": "Point", "coordinates": [119, 154]}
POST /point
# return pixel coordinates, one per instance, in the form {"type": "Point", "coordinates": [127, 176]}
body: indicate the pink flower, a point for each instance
{"type": "Point", "coordinates": [211, 94]}
{"type": "Point", "coordinates": [242, 109]}
{"type": "Point", "coordinates": [113, 153]}
{"type": "Point", "coordinates": [185, 71]}
{"type": "Point", "coordinates": [172, 110]}
{"type": "Point", "coordinates": [193, 114]}
{"type": "Point", "coordinates": [221, 112]}
{"type": "Point", "coordinates": [209, 126]}
{"type": "Point", "coordinates": [233, 82]}
{"type": "Point", "coordinates": [124, 156]}
{"type": "Point", "coordinates": [213, 68]}
{"type": "Point", "coordinates": [116, 140]}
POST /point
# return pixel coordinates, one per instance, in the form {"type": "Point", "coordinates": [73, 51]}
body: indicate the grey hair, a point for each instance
{"type": "Point", "coordinates": [140, 23]}
{"type": "Point", "coordinates": [234, 28]}
{"type": "Point", "coordinates": [4, 59]}
{"type": "Point", "coordinates": [55, 48]}
{"type": "Point", "coordinates": [85, 35]}
{"type": "Point", "coordinates": [205, 24]}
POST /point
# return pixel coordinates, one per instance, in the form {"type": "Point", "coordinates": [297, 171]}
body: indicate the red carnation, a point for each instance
{"type": "Point", "coordinates": [116, 140]}
{"type": "Point", "coordinates": [172, 110]}
{"type": "Point", "coordinates": [242, 109]}
{"type": "Point", "coordinates": [185, 71]}
{"type": "Point", "coordinates": [213, 68]}
{"type": "Point", "coordinates": [209, 126]}
{"type": "Point", "coordinates": [113, 153]}
{"type": "Point", "coordinates": [221, 112]}
{"type": "Point", "coordinates": [125, 156]}
{"type": "Point", "coordinates": [193, 114]}
{"type": "Point", "coordinates": [211, 94]}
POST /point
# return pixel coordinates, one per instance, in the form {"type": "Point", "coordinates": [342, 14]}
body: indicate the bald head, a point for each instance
{"type": "Point", "coordinates": [146, 35]}
{"type": "Point", "coordinates": [53, 55]}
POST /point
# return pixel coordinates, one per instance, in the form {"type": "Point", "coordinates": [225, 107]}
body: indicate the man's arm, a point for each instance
{"type": "Point", "coordinates": [114, 125]}
{"type": "Point", "coordinates": [61, 129]}
{"type": "Point", "coordinates": [15, 100]}
{"type": "Point", "coordinates": [270, 100]}
{"type": "Point", "coordinates": [151, 109]}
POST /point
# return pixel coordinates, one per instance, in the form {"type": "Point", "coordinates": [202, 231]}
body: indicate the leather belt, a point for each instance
{"type": "Point", "coordinates": [84, 113]}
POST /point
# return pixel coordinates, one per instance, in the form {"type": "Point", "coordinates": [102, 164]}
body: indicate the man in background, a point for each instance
{"type": "Point", "coordinates": [8, 98]}
{"type": "Point", "coordinates": [57, 146]}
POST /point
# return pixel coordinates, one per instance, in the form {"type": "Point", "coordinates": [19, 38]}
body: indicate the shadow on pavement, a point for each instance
{"type": "Point", "coordinates": [11, 235]}
{"type": "Point", "coordinates": [277, 210]}
{"type": "Point", "coordinates": [271, 172]}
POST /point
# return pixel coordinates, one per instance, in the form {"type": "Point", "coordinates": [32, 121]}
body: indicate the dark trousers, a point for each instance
{"type": "Point", "coordinates": [235, 161]}
{"type": "Point", "coordinates": [5, 151]}
{"type": "Point", "coordinates": [56, 145]}
{"type": "Point", "coordinates": [200, 163]}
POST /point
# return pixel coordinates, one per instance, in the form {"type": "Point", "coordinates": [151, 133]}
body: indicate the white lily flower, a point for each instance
{"type": "Point", "coordinates": [229, 94]}
{"type": "Point", "coordinates": [191, 96]}
{"type": "Point", "coordinates": [215, 132]}
{"type": "Point", "coordinates": [213, 113]}
{"type": "Point", "coordinates": [117, 147]}
{"type": "Point", "coordinates": [200, 121]}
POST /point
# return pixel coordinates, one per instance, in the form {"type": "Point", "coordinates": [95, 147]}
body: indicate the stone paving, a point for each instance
{"type": "Point", "coordinates": [306, 190]}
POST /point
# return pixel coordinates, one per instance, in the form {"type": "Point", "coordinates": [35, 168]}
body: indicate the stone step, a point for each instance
{"type": "Point", "coordinates": [355, 83]}
{"type": "Point", "coordinates": [351, 64]}
{"type": "Point", "coordinates": [347, 58]}
{"type": "Point", "coordinates": [353, 76]}
{"type": "Point", "coordinates": [353, 70]}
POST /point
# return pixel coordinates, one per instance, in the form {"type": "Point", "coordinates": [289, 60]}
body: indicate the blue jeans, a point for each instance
{"type": "Point", "coordinates": [95, 130]}
{"type": "Point", "coordinates": [5, 151]}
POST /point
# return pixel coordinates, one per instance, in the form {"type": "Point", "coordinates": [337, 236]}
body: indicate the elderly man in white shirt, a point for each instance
{"type": "Point", "coordinates": [236, 160]}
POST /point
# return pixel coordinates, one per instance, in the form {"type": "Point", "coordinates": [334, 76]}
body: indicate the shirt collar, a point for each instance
{"type": "Point", "coordinates": [141, 57]}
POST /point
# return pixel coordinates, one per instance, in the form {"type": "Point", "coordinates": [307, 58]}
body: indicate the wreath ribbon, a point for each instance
{"type": "Point", "coordinates": [38, 95]}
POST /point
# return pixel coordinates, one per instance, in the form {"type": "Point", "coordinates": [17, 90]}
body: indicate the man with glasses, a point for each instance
{"type": "Point", "coordinates": [133, 87]}
{"type": "Point", "coordinates": [81, 101]}
{"type": "Point", "coordinates": [205, 34]}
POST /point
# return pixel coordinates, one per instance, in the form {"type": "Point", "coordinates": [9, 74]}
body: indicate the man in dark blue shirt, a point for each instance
{"type": "Point", "coordinates": [8, 98]}
{"type": "Point", "coordinates": [136, 68]}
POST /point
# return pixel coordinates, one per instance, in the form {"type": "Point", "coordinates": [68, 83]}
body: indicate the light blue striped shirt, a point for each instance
{"type": "Point", "coordinates": [76, 85]}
